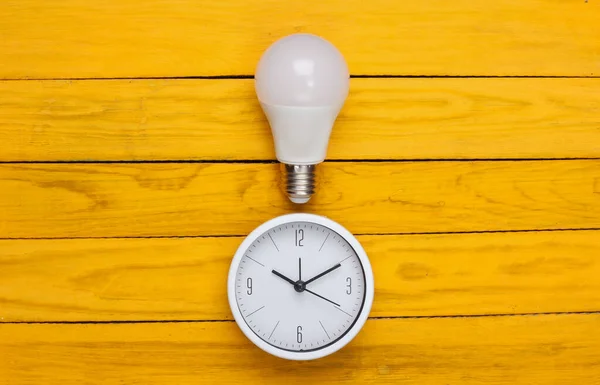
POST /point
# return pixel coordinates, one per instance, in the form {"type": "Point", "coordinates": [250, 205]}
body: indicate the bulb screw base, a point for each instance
{"type": "Point", "coordinates": [299, 182]}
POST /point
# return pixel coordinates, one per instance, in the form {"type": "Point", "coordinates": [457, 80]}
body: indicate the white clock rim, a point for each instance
{"type": "Point", "coordinates": [360, 252]}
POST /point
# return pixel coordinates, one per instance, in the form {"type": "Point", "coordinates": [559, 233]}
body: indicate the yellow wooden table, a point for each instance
{"type": "Point", "coordinates": [135, 157]}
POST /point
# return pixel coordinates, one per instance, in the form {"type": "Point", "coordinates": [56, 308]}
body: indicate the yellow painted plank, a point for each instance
{"type": "Point", "coordinates": [491, 350]}
{"type": "Point", "coordinates": [111, 200]}
{"type": "Point", "coordinates": [221, 119]}
{"type": "Point", "coordinates": [183, 279]}
{"type": "Point", "coordinates": [133, 38]}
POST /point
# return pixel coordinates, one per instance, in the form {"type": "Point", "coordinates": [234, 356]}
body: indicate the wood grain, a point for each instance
{"type": "Point", "coordinates": [221, 120]}
{"type": "Point", "coordinates": [134, 38]}
{"type": "Point", "coordinates": [183, 279]}
{"type": "Point", "coordinates": [114, 200]}
{"type": "Point", "coordinates": [490, 350]}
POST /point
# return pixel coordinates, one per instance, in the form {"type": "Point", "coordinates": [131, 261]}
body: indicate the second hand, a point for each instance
{"type": "Point", "coordinates": [320, 296]}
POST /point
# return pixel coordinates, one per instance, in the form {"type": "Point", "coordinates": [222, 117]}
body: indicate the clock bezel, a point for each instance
{"type": "Point", "coordinates": [354, 328]}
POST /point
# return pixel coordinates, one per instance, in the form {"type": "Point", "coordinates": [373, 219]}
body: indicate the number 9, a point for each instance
{"type": "Point", "coordinates": [249, 286]}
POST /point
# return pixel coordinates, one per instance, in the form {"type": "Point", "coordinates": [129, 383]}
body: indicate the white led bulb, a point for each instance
{"type": "Point", "coordinates": [301, 82]}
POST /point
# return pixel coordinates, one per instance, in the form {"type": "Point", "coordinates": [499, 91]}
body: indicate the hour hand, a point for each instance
{"type": "Point", "coordinates": [283, 277]}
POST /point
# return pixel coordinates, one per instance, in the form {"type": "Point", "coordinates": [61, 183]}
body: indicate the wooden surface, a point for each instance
{"type": "Point", "coordinates": [467, 158]}
{"type": "Point", "coordinates": [408, 118]}
{"type": "Point", "coordinates": [119, 200]}
{"type": "Point", "coordinates": [141, 38]}
{"type": "Point", "coordinates": [487, 350]}
{"type": "Point", "coordinates": [417, 275]}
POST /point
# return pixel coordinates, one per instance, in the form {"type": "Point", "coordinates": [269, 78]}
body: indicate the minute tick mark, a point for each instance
{"type": "Point", "coordinates": [260, 308]}
{"type": "Point", "coordinates": [350, 256]}
{"type": "Point", "coordinates": [252, 259]}
{"type": "Point", "coordinates": [274, 244]}
{"type": "Point", "coordinates": [324, 330]}
{"type": "Point", "coordinates": [349, 315]}
{"type": "Point", "coordinates": [277, 324]}
{"type": "Point", "coordinates": [323, 244]}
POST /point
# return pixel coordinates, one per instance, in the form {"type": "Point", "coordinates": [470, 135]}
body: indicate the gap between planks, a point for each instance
{"type": "Point", "coordinates": [356, 76]}
{"type": "Point", "coordinates": [356, 234]}
{"type": "Point", "coordinates": [557, 313]}
{"type": "Point", "coordinates": [273, 161]}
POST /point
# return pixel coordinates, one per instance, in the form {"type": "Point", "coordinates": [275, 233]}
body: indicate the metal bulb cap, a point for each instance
{"type": "Point", "coordinates": [299, 182]}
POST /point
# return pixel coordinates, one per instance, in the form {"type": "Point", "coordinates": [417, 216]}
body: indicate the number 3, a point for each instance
{"type": "Point", "coordinates": [348, 285]}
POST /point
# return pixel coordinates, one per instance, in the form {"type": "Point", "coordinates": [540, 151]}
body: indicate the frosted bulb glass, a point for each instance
{"type": "Point", "coordinates": [301, 82]}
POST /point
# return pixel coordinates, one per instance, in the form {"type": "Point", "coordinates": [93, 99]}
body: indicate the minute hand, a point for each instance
{"type": "Point", "coordinates": [322, 274]}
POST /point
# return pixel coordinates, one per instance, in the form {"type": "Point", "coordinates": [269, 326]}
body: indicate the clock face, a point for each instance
{"type": "Point", "coordinates": [299, 287]}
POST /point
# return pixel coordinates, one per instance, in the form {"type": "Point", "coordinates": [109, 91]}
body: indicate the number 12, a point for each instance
{"type": "Point", "coordinates": [299, 237]}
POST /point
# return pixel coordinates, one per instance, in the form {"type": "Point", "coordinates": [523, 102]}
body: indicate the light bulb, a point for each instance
{"type": "Point", "coordinates": [301, 82]}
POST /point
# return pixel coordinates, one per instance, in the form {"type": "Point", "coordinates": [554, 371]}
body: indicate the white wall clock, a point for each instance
{"type": "Point", "coordinates": [300, 286]}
